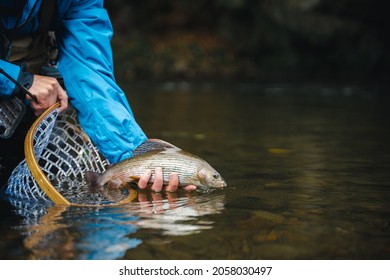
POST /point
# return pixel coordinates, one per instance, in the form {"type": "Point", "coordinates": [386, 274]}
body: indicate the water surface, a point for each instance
{"type": "Point", "coordinates": [307, 169]}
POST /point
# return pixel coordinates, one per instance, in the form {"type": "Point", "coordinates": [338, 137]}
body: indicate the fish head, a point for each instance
{"type": "Point", "coordinates": [211, 178]}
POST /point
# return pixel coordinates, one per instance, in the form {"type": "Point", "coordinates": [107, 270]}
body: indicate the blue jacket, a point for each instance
{"type": "Point", "coordinates": [83, 32]}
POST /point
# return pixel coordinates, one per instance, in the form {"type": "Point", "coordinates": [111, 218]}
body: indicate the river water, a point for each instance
{"type": "Point", "coordinates": [307, 167]}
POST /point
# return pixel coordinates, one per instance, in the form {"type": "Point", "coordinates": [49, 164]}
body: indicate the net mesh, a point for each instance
{"type": "Point", "coordinates": [63, 152]}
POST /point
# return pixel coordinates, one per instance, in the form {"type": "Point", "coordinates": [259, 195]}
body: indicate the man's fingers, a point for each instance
{"type": "Point", "coordinates": [173, 182]}
{"type": "Point", "coordinates": [189, 188]}
{"type": "Point", "coordinates": [158, 180]}
{"type": "Point", "coordinates": [143, 181]}
{"type": "Point", "coordinates": [63, 98]}
{"type": "Point", "coordinates": [48, 91]}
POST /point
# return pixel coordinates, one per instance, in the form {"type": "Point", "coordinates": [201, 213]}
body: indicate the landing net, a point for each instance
{"type": "Point", "coordinates": [58, 152]}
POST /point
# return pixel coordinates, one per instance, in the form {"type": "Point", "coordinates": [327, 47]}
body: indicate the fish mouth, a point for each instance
{"type": "Point", "coordinates": [223, 185]}
{"type": "Point", "coordinates": [211, 188]}
{"type": "Point", "coordinates": [220, 185]}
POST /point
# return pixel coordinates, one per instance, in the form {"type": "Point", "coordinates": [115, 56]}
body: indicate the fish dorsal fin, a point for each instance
{"type": "Point", "coordinates": [154, 145]}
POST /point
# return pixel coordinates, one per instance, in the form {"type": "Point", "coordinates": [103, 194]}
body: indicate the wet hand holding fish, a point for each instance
{"type": "Point", "coordinates": [191, 169]}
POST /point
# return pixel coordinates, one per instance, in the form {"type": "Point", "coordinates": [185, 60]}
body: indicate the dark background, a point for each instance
{"type": "Point", "coordinates": [268, 40]}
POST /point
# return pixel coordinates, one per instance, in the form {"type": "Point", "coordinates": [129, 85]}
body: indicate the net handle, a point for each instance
{"type": "Point", "coordinates": [33, 165]}
{"type": "Point", "coordinates": [40, 176]}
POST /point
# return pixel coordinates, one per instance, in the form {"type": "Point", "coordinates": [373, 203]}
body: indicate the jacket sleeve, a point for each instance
{"type": "Point", "coordinates": [86, 65]}
{"type": "Point", "coordinates": [6, 86]}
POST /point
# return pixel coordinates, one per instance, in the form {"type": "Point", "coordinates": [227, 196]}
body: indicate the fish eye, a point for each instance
{"type": "Point", "coordinates": [216, 176]}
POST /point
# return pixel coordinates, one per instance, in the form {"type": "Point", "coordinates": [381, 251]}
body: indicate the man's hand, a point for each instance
{"type": "Point", "coordinates": [158, 183]}
{"type": "Point", "coordinates": [47, 91]}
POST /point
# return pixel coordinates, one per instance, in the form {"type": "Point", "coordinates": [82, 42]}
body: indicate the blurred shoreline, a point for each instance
{"type": "Point", "coordinates": [251, 41]}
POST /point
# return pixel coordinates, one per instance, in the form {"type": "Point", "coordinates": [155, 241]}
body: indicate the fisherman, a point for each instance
{"type": "Point", "coordinates": [51, 45]}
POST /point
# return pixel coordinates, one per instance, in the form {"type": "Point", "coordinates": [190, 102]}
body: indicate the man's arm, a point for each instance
{"type": "Point", "coordinates": [86, 64]}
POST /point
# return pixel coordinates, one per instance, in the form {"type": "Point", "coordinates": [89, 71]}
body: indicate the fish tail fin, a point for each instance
{"type": "Point", "coordinates": [93, 178]}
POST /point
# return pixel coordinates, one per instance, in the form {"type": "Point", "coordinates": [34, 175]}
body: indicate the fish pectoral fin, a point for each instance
{"type": "Point", "coordinates": [134, 178]}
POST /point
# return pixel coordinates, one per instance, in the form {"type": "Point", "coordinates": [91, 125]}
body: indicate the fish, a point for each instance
{"type": "Point", "coordinates": [191, 169]}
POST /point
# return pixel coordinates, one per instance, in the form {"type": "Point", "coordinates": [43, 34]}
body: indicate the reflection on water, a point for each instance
{"type": "Point", "coordinates": [107, 232]}
{"type": "Point", "coordinates": [307, 171]}
{"type": "Point", "coordinates": [176, 215]}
